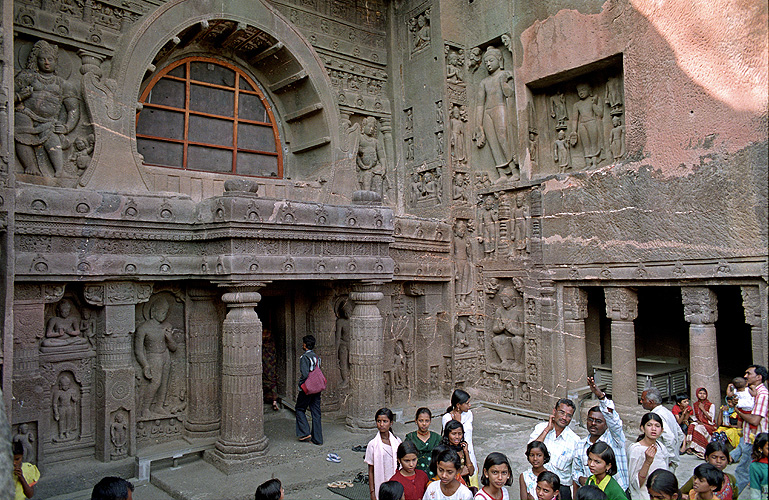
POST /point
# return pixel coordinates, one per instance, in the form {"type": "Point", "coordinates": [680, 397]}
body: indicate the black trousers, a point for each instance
{"type": "Point", "coordinates": [311, 401]}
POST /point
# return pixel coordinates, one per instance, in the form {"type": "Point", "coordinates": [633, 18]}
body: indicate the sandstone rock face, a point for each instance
{"type": "Point", "coordinates": [507, 199]}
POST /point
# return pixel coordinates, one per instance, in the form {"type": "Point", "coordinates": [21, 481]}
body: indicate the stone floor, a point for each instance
{"type": "Point", "coordinates": [302, 467]}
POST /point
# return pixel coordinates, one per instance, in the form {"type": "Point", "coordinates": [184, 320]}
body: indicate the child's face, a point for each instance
{"type": "Point", "coordinates": [597, 465]}
{"type": "Point", "coordinates": [423, 422]}
{"type": "Point", "coordinates": [17, 459]}
{"type": "Point", "coordinates": [536, 458]}
{"type": "Point", "coordinates": [656, 495]}
{"type": "Point", "coordinates": [383, 423]}
{"type": "Point", "coordinates": [408, 463]}
{"type": "Point", "coordinates": [652, 429]}
{"type": "Point", "coordinates": [545, 491]}
{"type": "Point", "coordinates": [718, 459]}
{"type": "Point", "coordinates": [701, 394]}
{"type": "Point", "coordinates": [701, 485]}
{"type": "Point", "coordinates": [455, 436]}
{"type": "Point", "coordinates": [447, 472]}
{"type": "Point", "coordinates": [683, 403]}
{"type": "Point", "coordinates": [765, 450]}
{"type": "Point", "coordinates": [497, 474]}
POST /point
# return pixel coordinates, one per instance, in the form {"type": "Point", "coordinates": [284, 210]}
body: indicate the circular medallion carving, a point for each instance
{"type": "Point", "coordinates": [130, 268]}
{"type": "Point", "coordinates": [82, 208]}
{"type": "Point", "coordinates": [119, 390]}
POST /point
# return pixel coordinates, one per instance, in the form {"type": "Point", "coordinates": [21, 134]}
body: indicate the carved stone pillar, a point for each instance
{"type": "Point", "coordinates": [574, 315]}
{"type": "Point", "coordinates": [701, 313]}
{"type": "Point", "coordinates": [321, 322]}
{"type": "Point", "coordinates": [115, 376]}
{"type": "Point", "coordinates": [203, 410]}
{"type": "Point", "coordinates": [241, 439]}
{"type": "Point", "coordinates": [426, 327]}
{"type": "Point", "coordinates": [756, 317]}
{"type": "Point", "coordinates": [385, 125]}
{"type": "Point", "coordinates": [622, 309]}
{"type": "Point", "coordinates": [366, 353]}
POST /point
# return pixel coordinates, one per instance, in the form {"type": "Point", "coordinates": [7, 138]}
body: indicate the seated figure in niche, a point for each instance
{"type": "Point", "coordinates": [508, 331]}
{"type": "Point", "coordinates": [64, 328]}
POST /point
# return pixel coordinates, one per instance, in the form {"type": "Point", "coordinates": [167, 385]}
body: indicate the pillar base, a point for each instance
{"type": "Point", "coordinates": [359, 426]}
{"type": "Point", "coordinates": [231, 458]}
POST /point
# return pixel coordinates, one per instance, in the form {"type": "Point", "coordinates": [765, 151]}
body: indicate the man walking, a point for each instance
{"type": "Point", "coordinates": [600, 419]}
{"type": "Point", "coordinates": [307, 363]}
{"type": "Point", "coordinates": [672, 435]}
{"type": "Point", "coordinates": [755, 422]}
{"type": "Point", "coordinates": [561, 442]}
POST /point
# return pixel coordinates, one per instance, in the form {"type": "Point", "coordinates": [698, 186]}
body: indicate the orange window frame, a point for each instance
{"type": "Point", "coordinates": [187, 80]}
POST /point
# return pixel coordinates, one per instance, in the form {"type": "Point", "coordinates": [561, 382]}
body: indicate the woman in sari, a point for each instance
{"type": "Point", "coordinates": [704, 425]}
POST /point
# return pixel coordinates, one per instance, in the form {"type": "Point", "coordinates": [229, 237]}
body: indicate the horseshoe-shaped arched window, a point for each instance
{"type": "Point", "coordinates": [207, 115]}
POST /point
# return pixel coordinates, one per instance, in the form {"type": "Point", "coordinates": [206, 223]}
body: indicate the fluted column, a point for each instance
{"type": "Point", "coordinates": [203, 410]}
{"type": "Point", "coordinates": [366, 353]}
{"type": "Point", "coordinates": [574, 315]}
{"type": "Point", "coordinates": [622, 309]}
{"type": "Point", "coordinates": [115, 375]}
{"type": "Point", "coordinates": [701, 313]}
{"type": "Point", "coordinates": [241, 438]}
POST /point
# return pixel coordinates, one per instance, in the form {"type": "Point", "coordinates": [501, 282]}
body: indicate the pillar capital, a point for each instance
{"type": "Point", "coordinates": [751, 302]}
{"type": "Point", "coordinates": [574, 303]}
{"type": "Point", "coordinates": [621, 303]}
{"type": "Point", "coordinates": [367, 292]}
{"type": "Point", "coordinates": [700, 305]}
{"type": "Point", "coordinates": [117, 293]}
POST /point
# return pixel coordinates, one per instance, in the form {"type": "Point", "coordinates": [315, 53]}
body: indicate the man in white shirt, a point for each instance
{"type": "Point", "coordinates": [672, 435]}
{"type": "Point", "coordinates": [561, 442]}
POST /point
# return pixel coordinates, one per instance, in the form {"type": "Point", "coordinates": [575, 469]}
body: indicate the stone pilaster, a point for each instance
{"type": "Point", "coordinates": [622, 309]}
{"type": "Point", "coordinates": [700, 311]}
{"type": "Point", "coordinates": [321, 322]}
{"type": "Point", "coordinates": [426, 325]}
{"type": "Point", "coordinates": [115, 376]}
{"type": "Point", "coordinates": [574, 315]}
{"type": "Point", "coordinates": [366, 354]}
{"type": "Point", "coordinates": [756, 317]}
{"type": "Point", "coordinates": [203, 410]}
{"type": "Point", "coordinates": [241, 438]}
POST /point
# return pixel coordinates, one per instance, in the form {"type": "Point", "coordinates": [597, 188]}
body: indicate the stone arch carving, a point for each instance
{"type": "Point", "coordinates": [289, 69]}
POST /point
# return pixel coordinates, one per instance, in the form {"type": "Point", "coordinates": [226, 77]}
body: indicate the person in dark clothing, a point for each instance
{"type": "Point", "coordinates": [307, 363]}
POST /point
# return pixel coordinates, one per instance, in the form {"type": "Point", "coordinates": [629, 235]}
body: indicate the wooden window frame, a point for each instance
{"type": "Point", "coordinates": [235, 119]}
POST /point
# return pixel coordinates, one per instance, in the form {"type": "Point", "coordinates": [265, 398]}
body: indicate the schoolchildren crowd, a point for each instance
{"type": "Point", "coordinates": [603, 465]}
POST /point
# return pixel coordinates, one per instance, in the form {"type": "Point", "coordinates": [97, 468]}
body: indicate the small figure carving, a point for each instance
{"type": "Point", "coordinates": [342, 339]}
{"type": "Point", "coordinates": [492, 287]}
{"type": "Point", "coordinates": [88, 326]}
{"type": "Point", "coordinates": [399, 371]}
{"type": "Point", "coordinates": [586, 125]}
{"type": "Point", "coordinates": [420, 27]}
{"type": "Point", "coordinates": [508, 332]}
{"type": "Point", "coordinates": [439, 113]}
{"type": "Point", "coordinates": [614, 95]}
{"type": "Point", "coordinates": [370, 158]}
{"type": "Point", "coordinates": [63, 329]}
{"type": "Point", "coordinates": [561, 152]}
{"type": "Point", "coordinates": [66, 406]}
{"type": "Point", "coordinates": [81, 153]}
{"type": "Point", "coordinates": [409, 126]}
{"type": "Point", "coordinates": [482, 180]}
{"type": "Point", "coordinates": [454, 66]}
{"type": "Point", "coordinates": [559, 111]}
{"type": "Point", "coordinates": [489, 220]}
{"type": "Point", "coordinates": [439, 142]}
{"type": "Point", "coordinates": [26, 438]}
{"type": "Point", "coordinates": [521, 225]}
{"type": "Point", "coordinates": [617, 138]}
{"type": "Point", "coordinates": [463, 287]}
{"type": "Point", "coordinates": [494, 114]}
{"type": "Point", "coordinates": [459, 187]}
{"type": "Point", "coordinates": [460, 333]}
{"type": "Point", "coordinates": [474, 59]}
{"type": "Point", "coordinates": [118, 433]}
{"type": "Point", "coordinates": [458, 117]}
{"type": "Point", "coordinates": [533, 148]}
{"type": "Point", "coordinates": [417, 188]}
{"type": "Point", "coordinates": [153, 345]}
{"type": "Point", "coordinates": [410, 148]}
{"type": "Point", "coordinates": [41, 96]}
{"type": "Point", "coordinates": [430, 187]}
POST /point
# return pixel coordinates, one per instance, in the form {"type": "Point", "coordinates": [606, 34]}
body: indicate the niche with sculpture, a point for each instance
{"type": "Point", "coordinates": [399, 345]}
{"type": "Point", "coordinates": [426, 187]}
{"type": "Point", "coordinates": [160, 359]}
{"type": "Point", "coordinates": [53, 141]}
{"type": "Point", "coordinates": [578, 123]}
{"type": "Point", "coordinates": [69, 330]}
{"type": "Point", "coordinates": [505, 330]}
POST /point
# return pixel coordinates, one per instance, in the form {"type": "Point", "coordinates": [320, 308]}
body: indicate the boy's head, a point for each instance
{"type": "Point", "coordinates": [707, 477]}
{"type": "Point", "coordinates": [112, 488]}
{"type": "Point", "coordinates": [269, 490]}
{"type": "Point", "coordinates": [548, 485]}
{"type": "Point", "coordinates": [18, 453]}
{"type": "Point", "coordinates": [682, 400]}
{"type": "Point", "coordinates": [590, 493]}
{"type": "Point", "coordinates": [739, 383]}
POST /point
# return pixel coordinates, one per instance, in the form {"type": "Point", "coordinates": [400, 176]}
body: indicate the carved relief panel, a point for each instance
{"type": "Point", "coordinates": [419, 28]}
{"type": "Point", "coordinates": [400, 347]}
{"type": "Point", "coordinates": [426, 187]}
{"type": "Point", "coordinates": [578, 123]}
{"type": "Point", "coordinates": [159, 349]}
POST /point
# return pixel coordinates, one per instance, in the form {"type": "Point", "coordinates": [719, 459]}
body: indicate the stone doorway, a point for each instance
{"type": "Point", "coordinates": [733, 335]}
{"type": "Point", "coordinates": [272, 312]}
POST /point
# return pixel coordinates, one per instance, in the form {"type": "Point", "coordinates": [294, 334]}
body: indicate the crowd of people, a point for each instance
{"type": "Point", "coordinates": [603, 465]}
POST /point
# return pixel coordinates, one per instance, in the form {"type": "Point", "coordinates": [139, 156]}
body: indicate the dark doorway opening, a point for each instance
{"type": "Point", "coordinates": [271, 311]}
{"type": "Point", "coordinates": [733, 335]}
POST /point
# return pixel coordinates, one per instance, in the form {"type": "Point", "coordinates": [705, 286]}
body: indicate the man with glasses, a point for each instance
{"type": "Point", "coordinates": [600, 419]}
{"type": "Point", "coordinates": [561, 442]}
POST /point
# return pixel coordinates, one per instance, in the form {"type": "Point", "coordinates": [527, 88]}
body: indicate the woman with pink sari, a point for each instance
{"type": "Point", "coordinates": [704, 425]}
